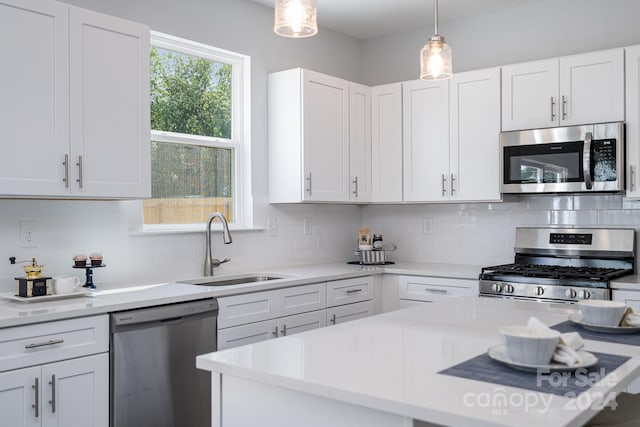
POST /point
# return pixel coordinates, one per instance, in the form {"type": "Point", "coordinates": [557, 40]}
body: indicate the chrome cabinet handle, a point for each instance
{"type": "Point", "coordinates": [564, 107]}
{"type": "Point", "coordinates": [354, 291]}
{"type": "Point", "coordinates": [444, 185]}
{"type": "Point", "coordinates": [453, 186]}
{"type": "Point", "coordinates": [36, 405]}
{"type": "Point", "coordinates": [309, 184]}
{"type": "Point", "coordinates": [333, 319]}
{"type": "Point", "coordinates": [284, 330]}
{"type": "Point", "coordinates": [586, 161]}
{"type": "Point", "coordinates": [43, 344]}
{"type": "Point", "coordinates": [632, 178]}
{"type": "Point", "coordinates": [435, 291]}
{"type": "Point", "coordinates": [53, 393]}
{"type": "Point", "coordinates": [79, 164]}
{"type": "Point", "coordinates": [275, 332]}
{"type": "Point", "coordinates": [553, 110]}
{"type": "Point", "coordinates": [66, 171]}
{"type": "Point", "coordinates": [355, 181]}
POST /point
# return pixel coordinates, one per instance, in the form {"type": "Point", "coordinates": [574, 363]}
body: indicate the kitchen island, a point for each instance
{"type": "Point", "coordinates": [385, 371]}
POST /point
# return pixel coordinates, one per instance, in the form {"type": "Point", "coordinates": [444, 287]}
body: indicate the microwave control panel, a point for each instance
{"type": "Point", "coordinates": [604, 160]}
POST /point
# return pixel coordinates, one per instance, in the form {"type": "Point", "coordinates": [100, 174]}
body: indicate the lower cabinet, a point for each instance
{"type": "Point", "coordinates": [415, 290]}
{"type": "Point", "coordinates": [250, 318]}
{"type": "Point", "coordinates": [71, 392]}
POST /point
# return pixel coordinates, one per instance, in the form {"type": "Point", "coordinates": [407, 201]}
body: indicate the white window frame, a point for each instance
{"type": "Point", "coordinates": [240, 130]}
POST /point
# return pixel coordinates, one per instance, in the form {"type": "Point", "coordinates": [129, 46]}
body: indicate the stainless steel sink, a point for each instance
{"type": "Point", "coordinates": [212, 281]}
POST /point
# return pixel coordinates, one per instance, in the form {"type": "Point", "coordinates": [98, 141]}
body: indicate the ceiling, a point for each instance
{"type": "Point", "coordinates": [365, 19]}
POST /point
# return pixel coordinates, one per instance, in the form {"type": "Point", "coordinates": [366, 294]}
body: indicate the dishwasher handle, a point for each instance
{"type": "Point", "coordinates": [171, 313]}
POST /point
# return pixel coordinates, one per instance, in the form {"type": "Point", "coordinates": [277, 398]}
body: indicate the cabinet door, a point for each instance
{"type": "Point", "coordinates": [76, 392]}
{"type": "Point", "coordinates": [592, 88]}
{"type": "Point", "coordinates": [110, 136]}
{"type": "Point", "coordinates": [474, 138]}
{"type": "Point", "coordinates": [345, 313]}
{"type": "Point", "coordinates": [360, 143]}
{"type": "Point", "coordinates": [386, 143]}
{"type": "Point", "coordinates": [34, 104]}
{"type": "Point", "coordinates": [21, 397]}
{"type": "Point", "coordinates": [300, 299]}
{"type": "Point", "coordinates": [425, 140]}
{"type": "Point", "coordinates": [530, 95]}
{"type": "Point", "coordinates": [632, 75]}
{"type": "Point", "coordinates": [247, 334]}
{"type": "Point", "coordinates": [325, 137]}
{"type": "Point", "coordinates": [302, 322]}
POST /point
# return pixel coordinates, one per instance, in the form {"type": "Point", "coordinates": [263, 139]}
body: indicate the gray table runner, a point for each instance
{"type": "Point", "coordinates": [569, 384]}
{"type": "Point", "coordinates": [569, 326]}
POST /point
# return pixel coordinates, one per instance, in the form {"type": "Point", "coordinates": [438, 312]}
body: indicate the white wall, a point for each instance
{"type": "Point", "coordinates": [68, 227]}
{"type": "Point", "coordinates": [538, 30]}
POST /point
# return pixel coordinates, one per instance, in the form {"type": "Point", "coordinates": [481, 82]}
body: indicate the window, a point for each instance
{"type": "Point", "coordinates": [198, 135]}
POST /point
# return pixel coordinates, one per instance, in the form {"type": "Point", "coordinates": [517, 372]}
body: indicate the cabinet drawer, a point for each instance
{"type": "Point", "coordinates": [434, 288]}
{"type": "Point", "coordinates": [247, 308]}
{"type": "Point", "coordinates": [301, 299]}
{"type": "Point", "coordinates": [247, 334]}
{"type": "Point", "coordinates": [345, 313]}
{"type": "Point", "coordinates": [48, 342]}
{"type": "Point", "coordinates": [348, 291]}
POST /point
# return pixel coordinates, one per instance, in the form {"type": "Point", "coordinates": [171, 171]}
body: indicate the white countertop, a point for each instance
{"type": "Point", "coordinates": [389, 363]}
{"type": "Point", "coordinates": [13, 313]}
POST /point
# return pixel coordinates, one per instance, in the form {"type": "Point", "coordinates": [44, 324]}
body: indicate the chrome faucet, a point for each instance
{"type": "Point", "coordinates": [209, 262]}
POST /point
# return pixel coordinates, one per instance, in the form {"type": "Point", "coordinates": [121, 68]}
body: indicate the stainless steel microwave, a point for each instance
{"type": "Point", "coordinates": [588, 158]}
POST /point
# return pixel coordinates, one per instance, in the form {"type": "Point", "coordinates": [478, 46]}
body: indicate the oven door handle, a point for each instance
{"type": "Point", "coordinates": [586, 161]}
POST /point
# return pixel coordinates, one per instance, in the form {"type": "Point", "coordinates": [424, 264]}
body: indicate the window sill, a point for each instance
{"type": "Point", "coordinates": [190, 230]}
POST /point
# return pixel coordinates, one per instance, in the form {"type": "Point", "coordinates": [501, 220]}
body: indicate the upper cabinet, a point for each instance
{"type": "Point", "coordinates": [75, 102]}
{"type": "Point", "coordinates": [312, 119]}
{"type": "Point", "coordinates": [451, 145]}
{"type": "Point", "coordinates": [386, 143]}
{"type": "Point", "coordinates": [633, 120]}
{"type": "Point", "coordinates": [578, 89]}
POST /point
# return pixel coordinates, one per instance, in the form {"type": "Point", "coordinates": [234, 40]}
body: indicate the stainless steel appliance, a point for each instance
{"type": "Point", "coordinates": [562, 264]}
{"type": "Point", "coordinates": [587, 158]}
{"type": "Point", "coordinates": [154, 380]}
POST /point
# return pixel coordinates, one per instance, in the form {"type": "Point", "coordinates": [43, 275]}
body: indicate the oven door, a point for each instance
{"type": "Point", "coordinates": [569, 159]}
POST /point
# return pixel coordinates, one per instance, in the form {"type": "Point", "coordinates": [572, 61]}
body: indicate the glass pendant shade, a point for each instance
{"type": "Point", "coordinates": [295, 18]}
{"type": "Point", "coordinates": [435, 59]}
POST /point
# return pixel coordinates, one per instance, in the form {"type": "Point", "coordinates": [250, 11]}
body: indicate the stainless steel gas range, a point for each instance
{"type": "Point", "coordinates": [562, 264]}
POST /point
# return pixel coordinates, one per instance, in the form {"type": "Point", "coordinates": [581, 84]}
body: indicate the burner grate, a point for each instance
{"type": "Point", "coordinates": [558, 272]}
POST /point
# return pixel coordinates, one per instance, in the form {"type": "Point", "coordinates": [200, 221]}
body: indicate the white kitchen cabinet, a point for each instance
{"type": "Point", "coordinates": [58, 390]}
{"type": "Point", "coordinates": [319, 138]}
{"type": "Point", "coordinates": [346, 313]}
{"type": "Point", "coordinates": [77, 107]}
{"type": "Point", "coordinates": [360, 143]}
{"type": "Point", "coordinates": [451, 146]}
{"type": "Point", "coordinates": [349, 291]}
{"type": "Point", "coordinates": [300, 299]}
{"type": "Point", "coordinates": [474, 144]}
{"type": "Point", "coordinates": [430, 289]}
{"type": "Point", "coordinates": [250, 333]}
{"type": "Point", "coordinates": [386, 143]}
{"type": "Point", "coordinates": [632, 120]}
{"type": "Point", "coordinates": [425, 140]}
{"type": "Point", "coordinates": [297, 323]}
{"type": "Point", "coordinates": [577, 89]}
{"type": "Point", "coordinates": [632, 299]}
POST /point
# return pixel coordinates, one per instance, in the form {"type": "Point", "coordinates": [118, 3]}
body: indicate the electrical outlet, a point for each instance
{"type": "Point", "coordinates": [427, 226]}
{"type": "Point", "coordinates": [28, 235]}
{"type": "Point", "coordinates": [272, 227]}
{"type": "Point", "coordinates": [307, 226]}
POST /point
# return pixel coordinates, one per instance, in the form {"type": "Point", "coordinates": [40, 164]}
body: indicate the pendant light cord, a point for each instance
{"type": "Point", "coordinates": [435, 13]}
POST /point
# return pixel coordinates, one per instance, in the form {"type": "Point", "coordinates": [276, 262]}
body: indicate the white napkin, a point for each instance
{"type": "Point", "coordinates": [630, 318]}
{"type": "Point", "coordinates": [567, 349]}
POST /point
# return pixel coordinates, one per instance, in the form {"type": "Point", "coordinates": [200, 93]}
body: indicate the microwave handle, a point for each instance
{"type": "Point", "coordinates": [586, 161]}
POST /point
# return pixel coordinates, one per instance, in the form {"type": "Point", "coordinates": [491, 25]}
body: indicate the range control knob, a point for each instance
{"type": "Point", "coordinates": [584, 294]}
{"type": "Point", "coordinates": [570, 293]}
{"type": "Point", "coordinates": [508, 289]}
{"type": "Point", "coordinates": [539, 290]}
{"type": "Point", "coordinates": [496, 287]}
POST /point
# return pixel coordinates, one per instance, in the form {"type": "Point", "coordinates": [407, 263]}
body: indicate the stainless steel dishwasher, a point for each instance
{"type": "Point", "coordinates": [154, 380]}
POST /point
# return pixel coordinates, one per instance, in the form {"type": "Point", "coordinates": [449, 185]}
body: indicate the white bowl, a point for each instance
{"type": "Point", "coordinates": [530, 347]}
{"type": "Point", "coordinates": [602, 312]}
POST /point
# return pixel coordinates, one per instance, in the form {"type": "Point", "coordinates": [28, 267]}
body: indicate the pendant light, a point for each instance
{"type": "Point", "coordinates": [435, 56]}
{"type": "Point", "coordinates": [295, 18]}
